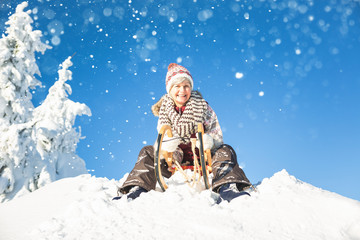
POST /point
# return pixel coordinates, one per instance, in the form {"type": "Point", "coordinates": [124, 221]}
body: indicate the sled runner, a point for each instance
{"type": "Point", "coordinates": [199, 170]}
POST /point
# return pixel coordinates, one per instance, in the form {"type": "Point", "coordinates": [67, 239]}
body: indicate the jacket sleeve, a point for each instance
{"type": "Point", "coordinates": [212, 127]}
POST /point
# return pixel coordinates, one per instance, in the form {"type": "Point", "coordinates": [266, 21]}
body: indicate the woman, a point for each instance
{"type": "Point", "coordinates": [183, 109]}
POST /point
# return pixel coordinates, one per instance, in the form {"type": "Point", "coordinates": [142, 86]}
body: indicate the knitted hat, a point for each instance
{"type": "Point", "coordinates": [175, 72]}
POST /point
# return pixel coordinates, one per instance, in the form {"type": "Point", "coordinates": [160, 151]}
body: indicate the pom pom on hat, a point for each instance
{"type": "Point", "coordinates": [175, 71]}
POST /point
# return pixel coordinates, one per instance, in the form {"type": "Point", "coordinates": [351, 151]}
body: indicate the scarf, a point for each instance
{"type": "Point", "coordinates": [185, 124]}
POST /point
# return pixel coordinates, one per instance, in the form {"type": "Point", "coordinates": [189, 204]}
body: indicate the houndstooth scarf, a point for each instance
{"type": "Point", "coordinates": [185, 124]}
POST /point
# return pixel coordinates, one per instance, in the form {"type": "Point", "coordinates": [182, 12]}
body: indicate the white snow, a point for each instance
{"type": "Point", "coordinates": [81, 208]}
{"type": "Point", "coordinates": [239, 75]}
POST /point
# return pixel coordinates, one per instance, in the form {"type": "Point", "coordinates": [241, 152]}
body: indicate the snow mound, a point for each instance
{"type": "Point", "coordinates": [283, 207]}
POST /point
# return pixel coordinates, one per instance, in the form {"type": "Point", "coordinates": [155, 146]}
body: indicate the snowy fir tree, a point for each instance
{"type": "Point", "coordinates": [56, 137]}
{"type": "Point", "coordinates": [30, 138]}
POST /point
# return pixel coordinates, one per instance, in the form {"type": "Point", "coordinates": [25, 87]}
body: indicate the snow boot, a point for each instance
{"type": "Point", "coordinates": [229, 191]}
{"type": "Point", "coordinates": [133, 193]}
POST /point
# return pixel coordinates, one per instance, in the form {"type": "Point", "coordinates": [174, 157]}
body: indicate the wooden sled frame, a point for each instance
{"type": "Point", "coordinates": [205, 159]}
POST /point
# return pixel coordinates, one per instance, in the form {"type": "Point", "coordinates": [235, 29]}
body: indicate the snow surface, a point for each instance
{"type": "Point", "coordinates": [81, 208]}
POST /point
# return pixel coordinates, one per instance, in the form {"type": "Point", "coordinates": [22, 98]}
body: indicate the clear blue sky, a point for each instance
{"type": "Point", "coordinates": [283, 78]}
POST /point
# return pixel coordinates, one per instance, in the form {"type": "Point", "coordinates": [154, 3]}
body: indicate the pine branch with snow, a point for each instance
{"type": "Point", "coordinates": [18, 66]}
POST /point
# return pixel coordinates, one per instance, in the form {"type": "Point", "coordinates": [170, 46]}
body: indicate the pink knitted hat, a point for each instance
{"type": "Point", "coordinates": [176, 71]}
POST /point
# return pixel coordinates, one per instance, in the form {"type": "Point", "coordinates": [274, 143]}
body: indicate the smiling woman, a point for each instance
{"type": "Point", "coordinates": [184, 110]}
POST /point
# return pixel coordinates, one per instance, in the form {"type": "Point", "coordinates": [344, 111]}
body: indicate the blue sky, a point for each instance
{"type": "Point", "coordinates": [283, 78]}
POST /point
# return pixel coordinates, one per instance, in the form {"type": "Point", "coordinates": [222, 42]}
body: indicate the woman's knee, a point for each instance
{"type": "Point", "coordinates": [225, 152]}
{"type": "Point", "coordinates": [148, 149]}
{"type": "Point", "coordinates": [146, 152]}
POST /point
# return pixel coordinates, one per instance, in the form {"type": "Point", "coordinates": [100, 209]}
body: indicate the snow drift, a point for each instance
{"type": "Point", "coordinates": [81, 208]}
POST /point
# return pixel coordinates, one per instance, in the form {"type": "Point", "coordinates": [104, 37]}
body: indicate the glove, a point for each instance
{"type": "Point", "coordinates": [208, 142]}
{"type": "Point", "coordinates": [170, 144]}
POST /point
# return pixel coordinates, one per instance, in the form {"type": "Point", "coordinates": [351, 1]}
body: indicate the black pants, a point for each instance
{"type": "Point", "coordinates": [224, 166]}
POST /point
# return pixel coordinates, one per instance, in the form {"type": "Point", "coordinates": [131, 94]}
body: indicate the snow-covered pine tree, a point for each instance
{"type": "Point", "coordinates": [56, 137]}
{"type": "Point", "coordinates": [26, 161]}
{"type": "Point", "coordinates": [17, 69]}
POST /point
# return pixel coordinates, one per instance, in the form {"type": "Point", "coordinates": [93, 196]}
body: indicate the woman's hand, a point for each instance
{"type": "Point", "coordinates": [208, 142]}
{"type": "Point", "coordinates": [170, 144]}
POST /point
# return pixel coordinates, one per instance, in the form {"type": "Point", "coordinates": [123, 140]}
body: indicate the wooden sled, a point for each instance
{"type": "Point", "coordinates": [199, 170]}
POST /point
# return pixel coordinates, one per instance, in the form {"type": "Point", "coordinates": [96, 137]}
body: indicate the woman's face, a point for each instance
{"type": "Point", "coordinates": [181, 93]}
